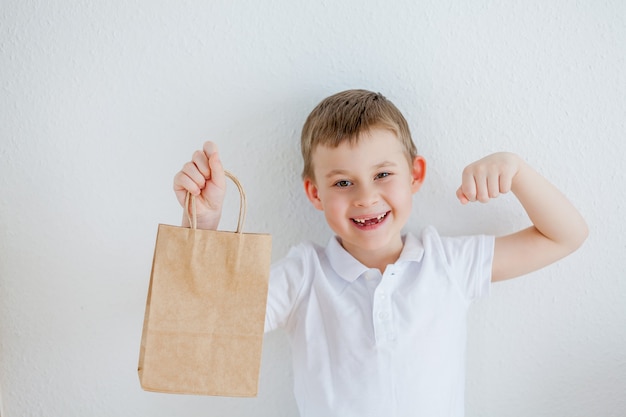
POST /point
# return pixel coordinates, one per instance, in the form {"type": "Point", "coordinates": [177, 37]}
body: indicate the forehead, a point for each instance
{"type": "Point", "coordinates": [371, 148]}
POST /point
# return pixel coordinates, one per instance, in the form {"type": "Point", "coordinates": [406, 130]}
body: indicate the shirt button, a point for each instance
{"type": "Point", "coordinates": [383, 315]}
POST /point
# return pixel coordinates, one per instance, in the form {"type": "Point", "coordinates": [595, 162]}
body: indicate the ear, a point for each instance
{"type": "Point", "coordinates": [312, 193]}
{"type": "Point", "coordinates": [418, 172]}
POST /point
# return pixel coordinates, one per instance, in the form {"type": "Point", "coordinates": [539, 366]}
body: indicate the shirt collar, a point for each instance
{"type": "Point", "coordinates": [350, 269]}
{"type": "Point", "coordinates": [412, 251]}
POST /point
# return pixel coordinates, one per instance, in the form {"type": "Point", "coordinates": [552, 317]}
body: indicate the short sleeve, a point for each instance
{"type": "Point", "coordinates": [287, 278]}
{"type": "Point", "coordinates": [468, 261]}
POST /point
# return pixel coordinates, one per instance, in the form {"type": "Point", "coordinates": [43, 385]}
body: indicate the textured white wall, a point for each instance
{"type": "Point", "coordinates": [102, 102]}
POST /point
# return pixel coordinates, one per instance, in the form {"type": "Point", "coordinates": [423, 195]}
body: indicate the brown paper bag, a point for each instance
{"type": "Point", "coordinates": [205, 313]}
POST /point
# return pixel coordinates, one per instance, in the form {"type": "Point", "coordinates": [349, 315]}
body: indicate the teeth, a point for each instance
{"type": "Point", "coordinates": [362, 221]}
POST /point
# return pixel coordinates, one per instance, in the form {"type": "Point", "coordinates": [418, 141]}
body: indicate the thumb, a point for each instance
{"type": "Point", "coordinates": [461, 196]}
{"type": "Point", "coordinates": [217, 171]}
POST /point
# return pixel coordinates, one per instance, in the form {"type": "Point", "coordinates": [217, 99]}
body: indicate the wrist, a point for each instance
{"type": "Point", "coordinates": [519, 169]}
{"type": "Point", "coordinates": [524, 180]}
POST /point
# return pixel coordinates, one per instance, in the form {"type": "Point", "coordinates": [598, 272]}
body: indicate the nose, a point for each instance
{"type": "Point", "coordinates": [366, 196]}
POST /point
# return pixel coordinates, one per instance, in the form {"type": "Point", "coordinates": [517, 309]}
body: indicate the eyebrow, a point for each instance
{"type": "Point", "coordinates": [383, 164]}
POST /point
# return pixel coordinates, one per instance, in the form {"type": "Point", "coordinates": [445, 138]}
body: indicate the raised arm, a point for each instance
{"type": "Point", "coordinates": [558, 228]}
{"type": "Point", "coordinates": [204, 178]}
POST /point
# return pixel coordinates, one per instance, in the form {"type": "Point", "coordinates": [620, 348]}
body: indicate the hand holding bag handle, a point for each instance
{"type": "Point", "coordinates": [191, 200]}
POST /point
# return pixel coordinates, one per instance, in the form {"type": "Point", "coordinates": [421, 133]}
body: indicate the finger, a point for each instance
{"type": "Point", "coordinates": [493, 185]}
{"type": "Point", "coordinates": [482, 194]}
{"type": "Point", "coordinates": [201, 161]}
{"type": "Point", "coordinates": [482, 188]}
{"type": "Point", "coordinates": [468, 186]}
{"type": "Point", "coordinates": [218, 177]}
{"type": "Point", "coordinates": [506, 181]}
{"type": "Point", "coordinates": [190, 169]}
{"type": "Point", "coordinates": [462, 198]}
{"type": "Point", "coordinates": [182, 182]}
{"type": "Point", "coordinates": [209, 148]}
{"type": "Point", "coordinates": [182, 185]}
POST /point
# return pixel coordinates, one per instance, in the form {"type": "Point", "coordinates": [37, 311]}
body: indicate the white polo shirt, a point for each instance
{"type": "Point", "coordinates": [370, 345]}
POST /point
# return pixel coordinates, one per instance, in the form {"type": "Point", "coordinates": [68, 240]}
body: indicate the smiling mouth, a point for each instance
{"type": "Point", "coordinates": [372, 221]}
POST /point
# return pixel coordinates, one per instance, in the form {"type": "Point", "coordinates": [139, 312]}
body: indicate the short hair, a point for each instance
{"type": "Point", "coordinates": [344, 117]}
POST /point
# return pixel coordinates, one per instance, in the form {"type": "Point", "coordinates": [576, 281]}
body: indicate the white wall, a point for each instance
{"type": "Point", "coordinates": [102, 102]}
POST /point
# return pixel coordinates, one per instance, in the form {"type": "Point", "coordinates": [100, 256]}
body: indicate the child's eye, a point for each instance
{"type": "Point", "coordinates": [382, 175]}
{"type": "Point", "coordinates": [343, 184]}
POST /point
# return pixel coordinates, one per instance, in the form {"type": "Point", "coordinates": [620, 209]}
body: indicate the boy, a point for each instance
{"type": "Point", "coordinates": [377, 319]}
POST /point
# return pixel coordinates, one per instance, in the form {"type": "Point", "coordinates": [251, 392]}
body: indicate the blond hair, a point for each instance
{"type": "Point", "coordinates": [344, 116]}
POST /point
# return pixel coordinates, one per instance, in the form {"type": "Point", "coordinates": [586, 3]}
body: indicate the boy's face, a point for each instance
{"type": "Point", "coordinates": [365, 191]}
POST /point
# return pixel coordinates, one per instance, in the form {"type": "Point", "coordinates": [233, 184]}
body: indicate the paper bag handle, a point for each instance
{"type": "Point", "coordinates": [191, 211]}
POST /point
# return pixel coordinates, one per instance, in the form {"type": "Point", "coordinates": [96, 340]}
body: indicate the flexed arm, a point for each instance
{"type": "Point", "coordinates": [558, 228]}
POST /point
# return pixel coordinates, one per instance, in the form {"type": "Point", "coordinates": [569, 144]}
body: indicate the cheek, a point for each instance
{"type": "Point", "coordinates": [335, 207]}
{"type": "Point", "coordinates": [333, 204]}
{"type": "Point", "coordinates": [402, 197]}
